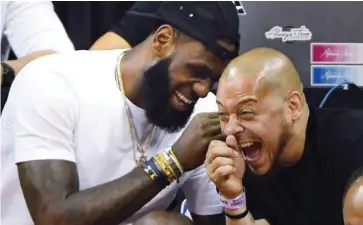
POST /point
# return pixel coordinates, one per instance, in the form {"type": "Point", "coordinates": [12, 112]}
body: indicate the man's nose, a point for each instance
{"type": "Point", "coordinates": [202, 87]}
{"type": "Point", "coordinates": [233, 127]}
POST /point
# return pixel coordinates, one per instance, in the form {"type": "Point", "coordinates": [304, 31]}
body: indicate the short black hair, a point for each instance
{"type": "Point", "coordinates": [353, 178]}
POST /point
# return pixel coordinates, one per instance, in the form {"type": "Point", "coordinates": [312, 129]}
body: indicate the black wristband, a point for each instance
{"type": "Point", "coordinates": [8, 75]}
{"type": "Point", "coordinates": [238, 216]}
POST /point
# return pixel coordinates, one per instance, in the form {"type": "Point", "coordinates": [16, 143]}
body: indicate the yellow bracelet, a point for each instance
{"type": "Point", "coordinates": [149, 171]}
{"type": "Point", "coordinates": [172, 164]}
{"type": "Point", "coordinates": [164, 168]}
{"type": "Point", "coordinates": [176, 161]}
{"type": "Point", "coordinates": [169, 164]}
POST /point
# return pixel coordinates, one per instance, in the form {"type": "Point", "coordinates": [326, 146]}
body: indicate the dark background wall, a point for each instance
{"type": "Point", "coordinates": [327, 21]}
{"type": "Point", "coordinates": [333, 22]}
{"type": "Point", "coordinates": [86, 21]}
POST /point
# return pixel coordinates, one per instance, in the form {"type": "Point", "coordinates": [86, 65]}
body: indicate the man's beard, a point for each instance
{"type": "Point", "coordinates": [155, 98]}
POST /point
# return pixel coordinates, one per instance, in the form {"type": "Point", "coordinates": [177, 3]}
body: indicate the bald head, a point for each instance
{"type": "Point", "coordinates": [267, 67]}
{"type": "Point", "coordinates": [260, 98]}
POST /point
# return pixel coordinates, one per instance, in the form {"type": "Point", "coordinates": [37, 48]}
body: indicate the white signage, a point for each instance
{"type": "Point", "coordinates": [294, 34]}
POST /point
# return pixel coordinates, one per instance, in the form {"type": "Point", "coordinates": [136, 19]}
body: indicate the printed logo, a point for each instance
{"type": "Point", "coordinates": [335, 54]}
{"type": "Point", "coordinates": [329, 75]}
{"type": "Point", "coordinates": [339, 53]}
{"type": "Point", "coordinates": [336, 76]}
{"type": "Point", "coordinates": [294, 34]}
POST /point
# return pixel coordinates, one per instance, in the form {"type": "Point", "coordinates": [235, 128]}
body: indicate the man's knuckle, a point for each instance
{"type": "Point", "coordinates": [213, 143]}
{"type": "Point", "coordinates": [205, 142]}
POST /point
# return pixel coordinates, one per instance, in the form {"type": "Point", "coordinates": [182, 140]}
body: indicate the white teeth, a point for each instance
{"type": "Point", "coordinates": [246, 144]}
{"type": "Point", "coordinates": [182, 97]}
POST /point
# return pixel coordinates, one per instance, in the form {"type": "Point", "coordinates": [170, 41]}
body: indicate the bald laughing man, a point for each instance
{"type": "Point", "coordinates": [283, 162]}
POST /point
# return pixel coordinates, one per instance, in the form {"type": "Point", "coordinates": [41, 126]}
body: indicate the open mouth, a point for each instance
{"type": "Point", "coordinates": [182, 98]}
{"type": "Point", "coordinates": [252, 150]}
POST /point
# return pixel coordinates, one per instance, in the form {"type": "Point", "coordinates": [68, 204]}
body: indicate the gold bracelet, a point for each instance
{"type": "Point", "coordinates": [169, 165]}
{"type": "Point", "coordinates": [164, 168]}
{"type": "Point", "coordinates": [149, 171]}
{"type": "Point", "coordinates": [172, 164]}
{"type": "Point", "coordinates": [176, 161]}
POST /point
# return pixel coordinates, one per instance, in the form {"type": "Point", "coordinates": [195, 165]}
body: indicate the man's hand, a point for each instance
{"type": "Point", "coordinates": [192, 146]}
{"type": "Point", "coordinates": [226, 166]}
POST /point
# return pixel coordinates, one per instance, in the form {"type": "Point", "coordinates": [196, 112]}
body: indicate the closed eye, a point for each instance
{"type": "Point", "coordinates": [222, 114]}
{"type": "Point", "coordinates": [202, 72]}
{"type": "Point", "coordinates": [247, 114]}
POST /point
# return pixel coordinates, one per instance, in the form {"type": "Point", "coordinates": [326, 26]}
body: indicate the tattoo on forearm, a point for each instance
{"type": "Point", "coordinates": [51, 190]}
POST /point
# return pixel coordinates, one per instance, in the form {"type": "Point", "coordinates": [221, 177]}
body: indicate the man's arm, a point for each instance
{"type": "Point", "coordinates": [20, 63]}
{"type": "Point", "coordinates": [34, 26]}
{"type": "Point", "coordinates": [46, 112]}
{"type": "Point", "coordinates": [33, 30]}
{"type": "Point", "coordinates": [226, 167]}
{"type": "Point", "coordinates": [51, 190]}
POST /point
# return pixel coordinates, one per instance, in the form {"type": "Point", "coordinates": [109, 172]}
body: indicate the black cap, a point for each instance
{"type": "Point", "coordinates": [207, 22]}
{"type": "Point", "coordinates": [138, 22]}
{"type": "Point", "coordinates": [144, 9]}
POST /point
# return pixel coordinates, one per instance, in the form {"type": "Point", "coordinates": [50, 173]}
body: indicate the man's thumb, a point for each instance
{"type": "Point", "coordinates": [232, 142]}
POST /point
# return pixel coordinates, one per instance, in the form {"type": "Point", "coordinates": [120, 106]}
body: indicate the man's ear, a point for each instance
{"type": "Point", "coordinates": [295, 104]}
{"type": "Point", "coordinates": [163, 41]}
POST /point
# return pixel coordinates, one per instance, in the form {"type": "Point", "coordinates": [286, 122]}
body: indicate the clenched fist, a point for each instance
{"type": "Point", "coordinates": [192, 146]}
{"type": "Point", "coordinates": [226, 166]}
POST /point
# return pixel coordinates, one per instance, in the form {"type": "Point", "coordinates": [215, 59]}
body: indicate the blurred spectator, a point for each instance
{"type": "Point", "coordinates": [31, 29]}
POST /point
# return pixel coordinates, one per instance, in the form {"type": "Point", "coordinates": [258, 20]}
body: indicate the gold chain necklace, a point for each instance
{"type": "Point", "coordinates": [140, 148]}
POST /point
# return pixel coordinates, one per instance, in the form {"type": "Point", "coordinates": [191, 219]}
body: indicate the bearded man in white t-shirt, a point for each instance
{"type": "Point", "coordinates": [81, 131]}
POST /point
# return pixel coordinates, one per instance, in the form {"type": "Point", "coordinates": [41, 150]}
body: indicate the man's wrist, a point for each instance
{"type": "Point", "coordinates": [234, 202]}
{"type": "Point", "coordinates": [235, 207]}
{"type": "Point", "coordinates": [236, 211]}
{"type": "Point", "coordinates": [230, 195]}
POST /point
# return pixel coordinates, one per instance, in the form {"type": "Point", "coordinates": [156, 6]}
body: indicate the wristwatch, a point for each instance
{"type": "Point", "coordinates": [8, 75]}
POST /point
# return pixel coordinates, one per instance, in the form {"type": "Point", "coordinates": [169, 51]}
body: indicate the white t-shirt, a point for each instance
{"type": "Point", "coordinates": [30, 26]}
{"type": "Point", "coordinates": [68, 106]}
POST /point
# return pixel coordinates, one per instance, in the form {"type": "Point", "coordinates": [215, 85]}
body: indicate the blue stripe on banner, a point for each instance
{"type": "Point", "coordinates": [328, 75]}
